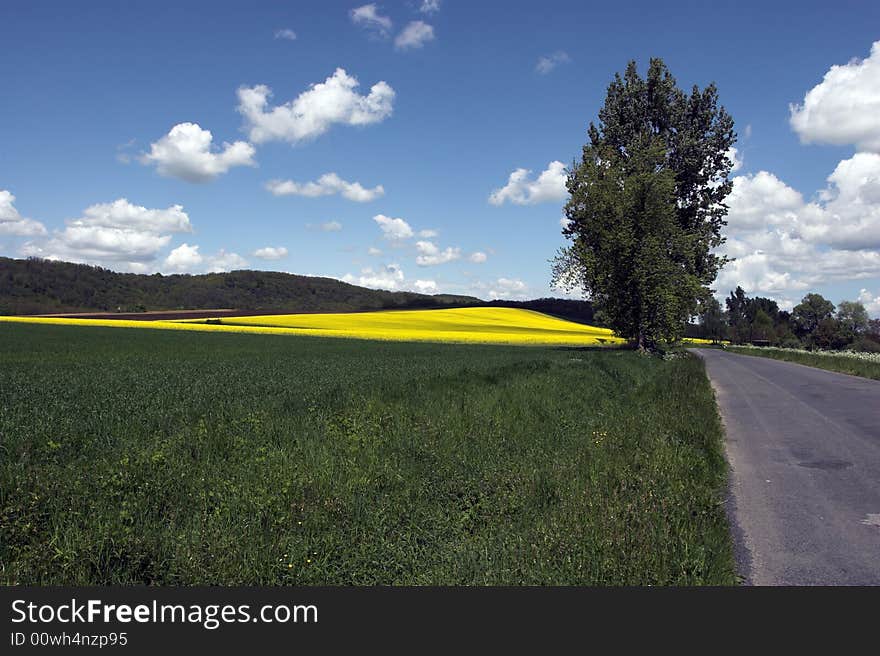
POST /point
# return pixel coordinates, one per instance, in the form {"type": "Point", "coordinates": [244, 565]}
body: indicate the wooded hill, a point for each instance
{"type": "Point", "coordinates": [35, 286]}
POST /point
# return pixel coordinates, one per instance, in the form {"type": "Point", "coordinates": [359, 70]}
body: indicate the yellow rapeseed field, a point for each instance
{"type": "Point", "coordinates": [462, 325]}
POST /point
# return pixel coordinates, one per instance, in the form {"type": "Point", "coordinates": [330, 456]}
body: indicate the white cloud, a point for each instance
{"type": "Point", "coordinates": [425, 286]}
{"type": "Point", "coordinates": [870, 301]}
{"type": "Point", "coordinates": [286, 34]}
{"type": "Point", "coordinates": [13, 223]}
{"type": "Point", "coordinates": [429, 6]}
{"type": "Point", "coordinates": [375, 252]}
{"type": "Point", "coordinates": [79, 243]}
{"type": "Point", "coordinates": [184, 258]}
{"type": "Point", "coordinates": [520, 190]}
{"type": "Point", "coordinates": [845, 107]}
{"type": "Point", "coordinates": [547, 63]}
{"type": "Point", "coordinates": [734, 156]}
{"type": "Point", "coordinates": [429, 254]}
{"type": "Point", "coordinates": [846, 214]}
{"type": "Point", "coordinates": [368, 17]}
{"type": "Point", "coordinates": [389, 276]}
{"type": "Point", "coordinates": [478, 257]}
{"type": "Point", "coordinates": [393, 229]}
{"type": "Point", "coordinates": [223, 261]}
{"type": "Point", "coordinates": [315, 110]}
{"type": "Point", "coordinates": [120, 233]}
{"type": "Point", "coordinates": [564, 222]}
{"type": "Point", "coordinates": [186, 152]}
{"type": "Point", "coordinates": [510, 288]}
{"type": "Point", "coordinates": [415, 35]}
{"type": "Point", "coordinates": [271, 253]}
{"type": "Point", "coordinates": [428, 234]}
{"type": "Point", "coordinates": [327, 185]}
{"type": "Point", "coordinates": [331, 226]}
{"type": "Point", "coordinates": [761, 199]}
{"type": "Point", "coordinates": [784, 245]}
{"type": "Point", "coordinates": [124, 215]}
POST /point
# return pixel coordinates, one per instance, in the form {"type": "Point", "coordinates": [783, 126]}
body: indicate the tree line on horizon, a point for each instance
{"type": "Point", "coordinates": [813, 324]}
{"type": "Point", "coordinates": [37, 286]}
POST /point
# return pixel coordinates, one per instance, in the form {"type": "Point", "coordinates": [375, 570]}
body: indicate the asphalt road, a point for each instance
{"type": "Point", "coordinates": [804, 450]}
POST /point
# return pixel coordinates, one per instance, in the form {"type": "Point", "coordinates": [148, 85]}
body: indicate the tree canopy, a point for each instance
{"type": "Point", "coordinates": [646, 204]}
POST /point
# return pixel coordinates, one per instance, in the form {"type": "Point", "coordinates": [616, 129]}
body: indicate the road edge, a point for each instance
{"type": "Point", "coordinates": [742, 554]}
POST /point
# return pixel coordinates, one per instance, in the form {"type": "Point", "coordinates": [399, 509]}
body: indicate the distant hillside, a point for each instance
{"type": "Point", "coordinates": [35, 286]}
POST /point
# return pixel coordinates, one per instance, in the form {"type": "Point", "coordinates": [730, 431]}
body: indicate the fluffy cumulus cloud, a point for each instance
{"type": "Point", "coordinates": [736, 159]}
{"type": "Point", "coordinates": [479, 257]}
{"type": "Point", "coordinates": [415, 35]}
{"type": "Point", "coordinates": [183, 258]}
{"type": "Point", "coordinates": [393, 229]}
{"type": "Point", "coordinates": [784, 244]}
{"type": "Point", "coordinates": [844, 108]}
{"type": "Point", "coordinates": [327, 185]}
{"type": "Point", "coordinates": [871, 302]}
{"type": "Point", "coordinates": [429, 254]}
{"type": "Point", "coordinates": [388, 276]}
{"type": "Point", "coordinates": [547, 63]}
{"type": "Point", "coordinates": [287, 34]}
{"type": "Point", "coordinates": [271, 253]}
{"type": "Point", "coordinates": [845, 215]}
{"type": "Point", "coordinates": [119, 234]}
{"type": "Point", "coordinates": [425, 286]}
{"type": "Point", "coordinates": [123, 215]}
{"type": "Point", "coordinates": [187, 259]}
{"type": "Point", "coordinates": [314, 111]}
{"type": "Point", "coordinates": [186, 152]}
{"type": "Point", "coordinates": [520, 189]}
{"type": "Point", "coordinates": [224, 261]}
{"type": "Point", "coordinates": [508, 288]}
{"type": "Point", "coordinates": [369, 18]}
{"type": "Point", "coordinates": [13, 223]}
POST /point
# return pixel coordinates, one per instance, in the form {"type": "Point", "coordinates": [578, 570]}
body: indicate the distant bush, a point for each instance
{"type": "Point", "coordinates": [791, 342]}
{"type": "Point", "coordinates": [866, 345]}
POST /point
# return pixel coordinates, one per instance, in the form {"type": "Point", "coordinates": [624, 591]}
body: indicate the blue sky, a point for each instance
{"type": "Point", "coordinates": [92, 91]}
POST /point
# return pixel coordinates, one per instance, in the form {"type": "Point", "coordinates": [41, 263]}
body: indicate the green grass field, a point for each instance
{"type": "Point", "coordinates": [153, 457]}
{"type": "Point", "coordinates": [866, 365]}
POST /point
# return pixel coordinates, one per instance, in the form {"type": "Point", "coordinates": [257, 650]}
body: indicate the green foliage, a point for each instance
{"type": "Point", "coordinates": [712, 320]}
{"type": "Point", "coordinates": [809, 313]}
{"type": "Point", "coordinates": [154, 457]}
{"type": "Point", "coordinates": [756, 319]}
{"type": "Point", "coordinates": [762, 327]}
{"type": "Point", "coordinates": [852, 318]}
{"type": "Point", "coordinates": [41, 286]}
{"type": "Point", "coordinates": [646, 206]}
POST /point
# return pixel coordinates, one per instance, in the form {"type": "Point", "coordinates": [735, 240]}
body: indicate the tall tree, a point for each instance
{"type": "Point", "coordinates": [738, 315]}
{"type": "Point", "coordinates": [807, 314]}
{"type": "Point", "coordinates": [712, 320]}
{"type": "Point", "coordinates": [853, 319]}
{"type": "Point", "coordinates": [647, 199]}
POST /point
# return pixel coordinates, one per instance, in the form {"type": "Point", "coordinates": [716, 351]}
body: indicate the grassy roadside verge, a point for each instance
{"type": "Point", "coordinates": [864, 365]}
{"type": "Point", "coordinates": [154, 457]}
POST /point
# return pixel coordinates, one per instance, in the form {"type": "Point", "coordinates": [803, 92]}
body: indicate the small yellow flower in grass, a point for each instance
{"type": "Point", "coordinates": [289, 565]}
{"type": "Point", "coordinates": [308, 560]}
